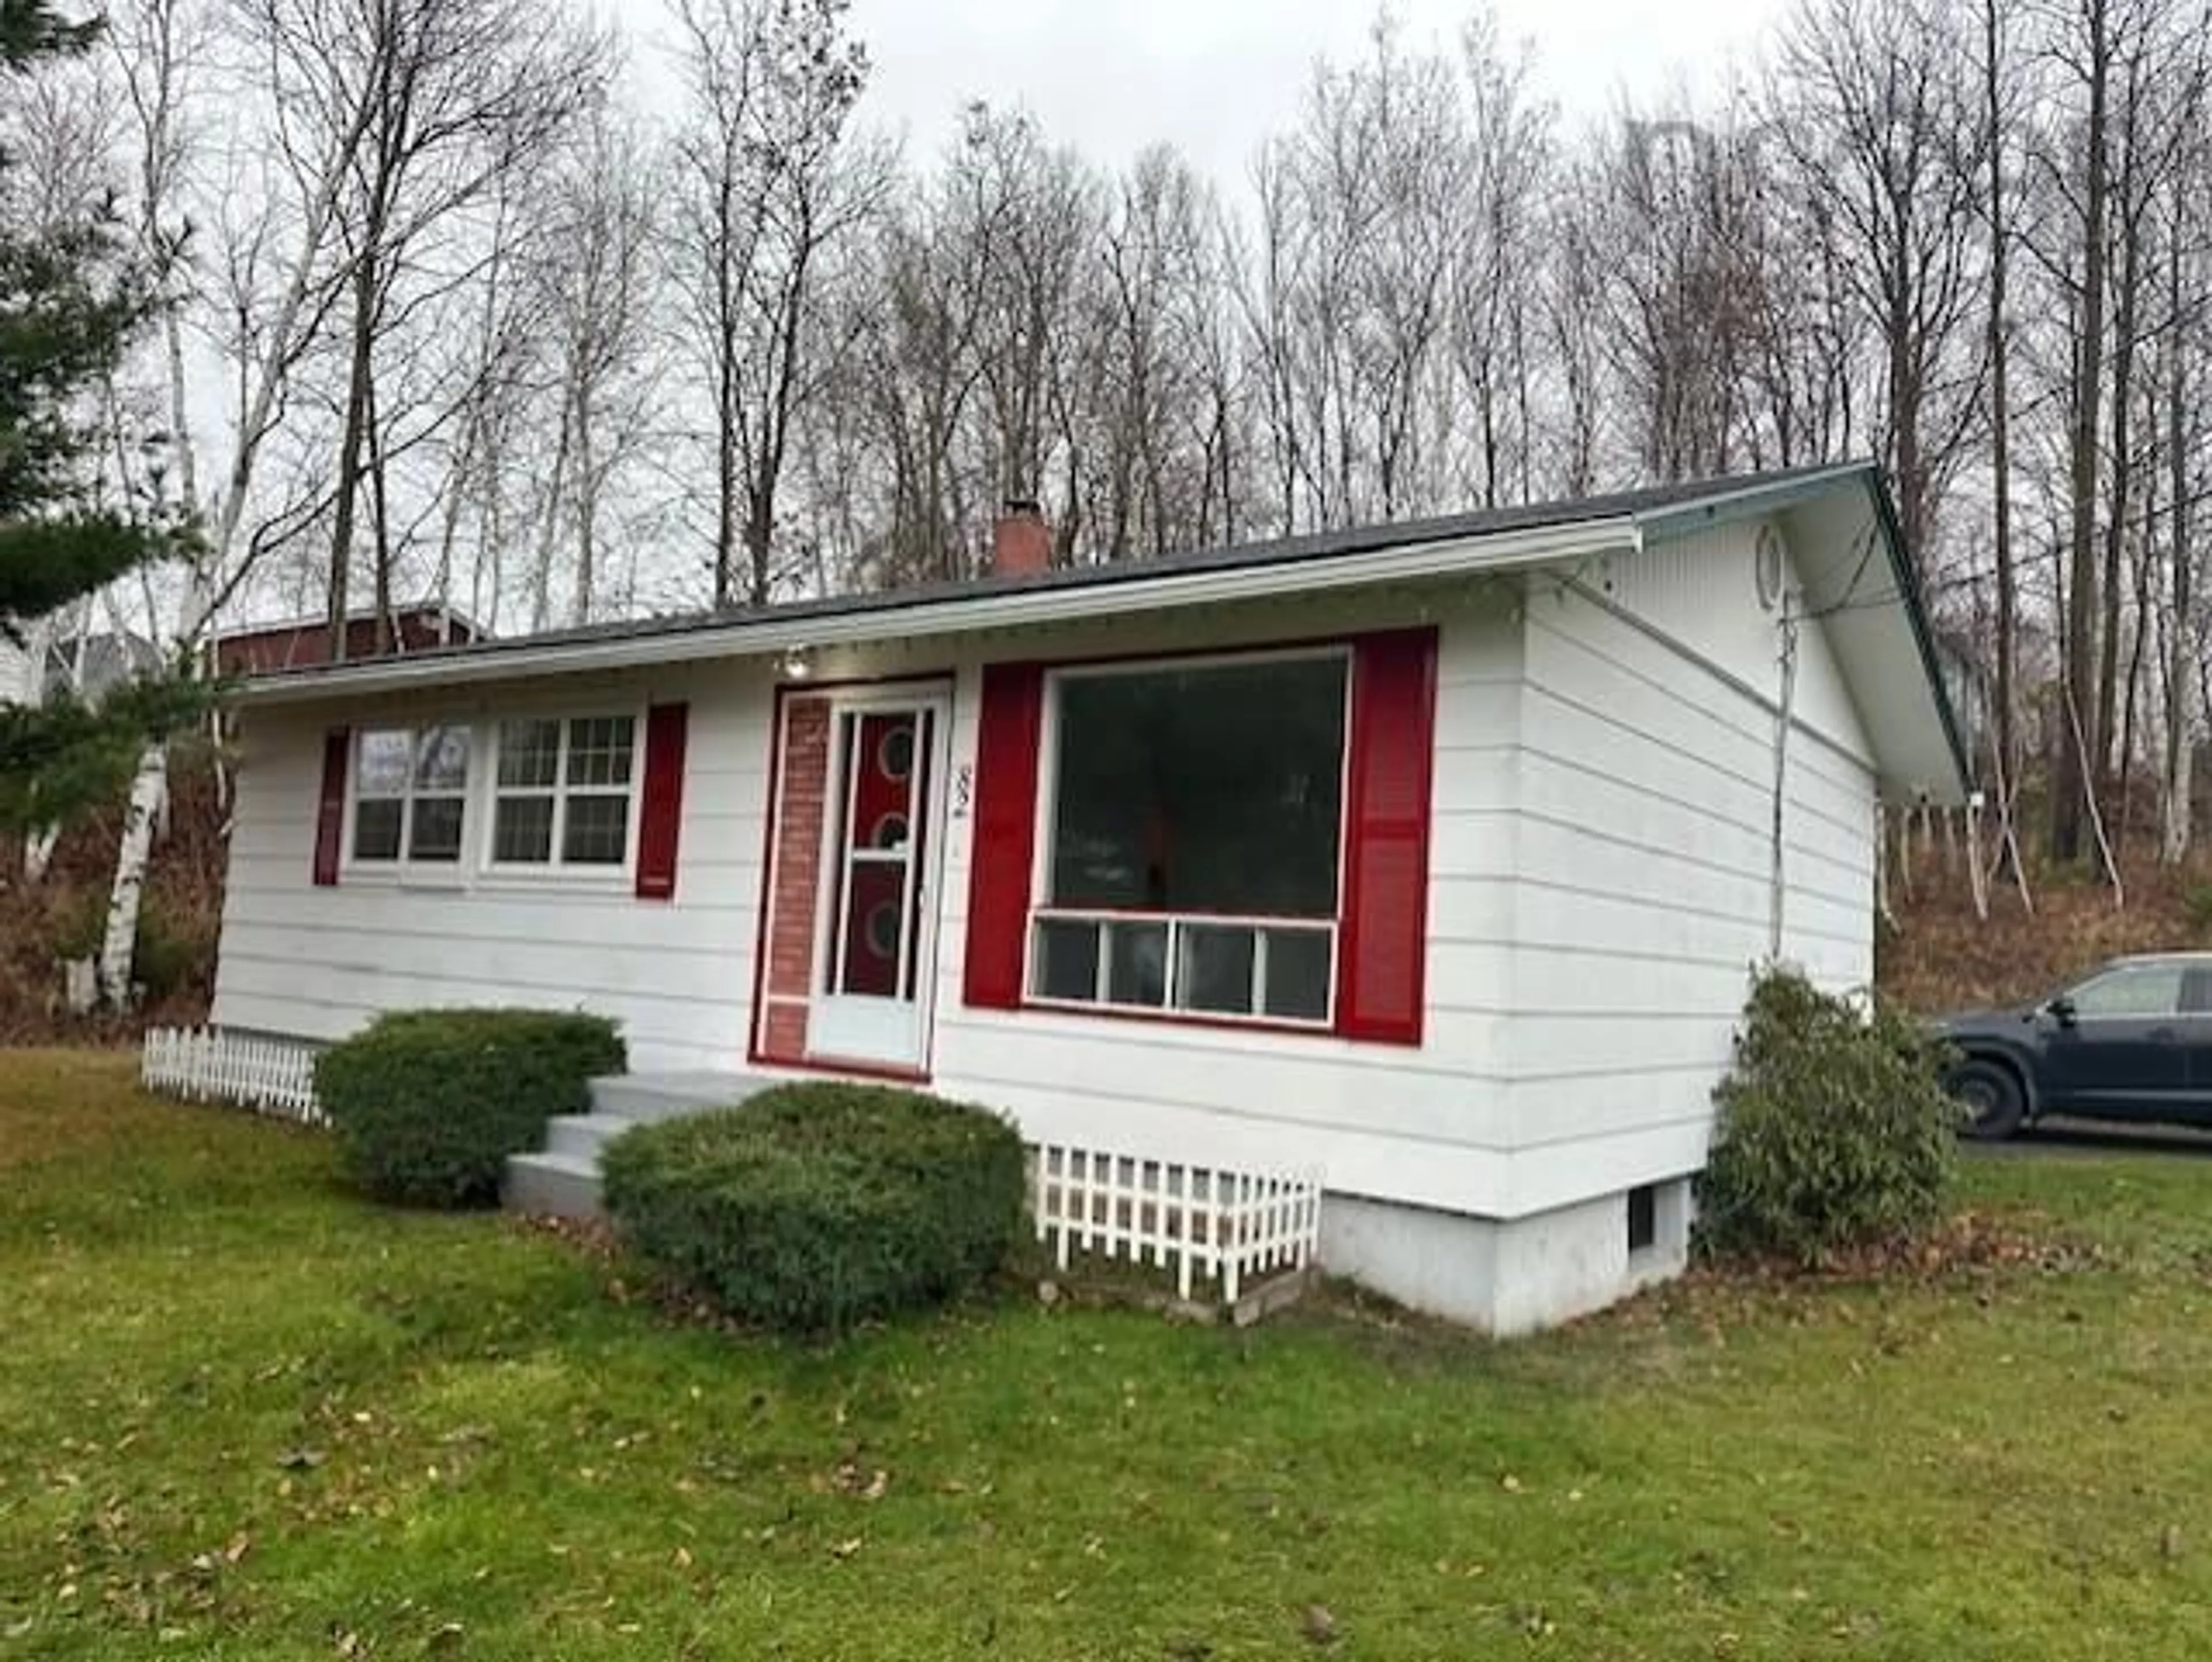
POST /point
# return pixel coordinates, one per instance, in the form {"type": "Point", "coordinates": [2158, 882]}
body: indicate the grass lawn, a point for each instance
{"type": "Point", "coordinates": [243, 1415]}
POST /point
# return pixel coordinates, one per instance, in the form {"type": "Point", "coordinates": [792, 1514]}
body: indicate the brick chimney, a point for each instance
{"type": "Point", "coordinates": [1021, 540]}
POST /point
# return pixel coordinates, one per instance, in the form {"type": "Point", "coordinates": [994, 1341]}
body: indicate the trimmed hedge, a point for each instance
{"type": "Point", "coordinates": [811, 1207]}
{"type": "Point", "coordinates": [1835, 1133]}
{"type": "Point", "coordinates": [429, 1104]}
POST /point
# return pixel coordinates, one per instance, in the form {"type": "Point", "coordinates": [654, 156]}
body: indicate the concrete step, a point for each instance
{"type": "Point", "coordinates": [669, 1095]}
{"type": "Point", "coordinates": [553, 1186]}
{"type": "Point", "coordinates": [584, 1134]}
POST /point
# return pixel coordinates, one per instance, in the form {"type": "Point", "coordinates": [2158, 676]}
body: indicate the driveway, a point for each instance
{"type": "Point", "coordinates": [2062, 1136]}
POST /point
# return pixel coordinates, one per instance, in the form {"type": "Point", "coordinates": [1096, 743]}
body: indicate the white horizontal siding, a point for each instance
{"type": "Point", "coordinates": [1643, 886]}
{"type": "Point", "coordinates": [1828, 855]}
{"type": "Point", "coordinates": [678, 975]}
{"type": "Point", "coordinates": [1422, 1124]}
{"type": "Point", "coordinates": [1701, 591]}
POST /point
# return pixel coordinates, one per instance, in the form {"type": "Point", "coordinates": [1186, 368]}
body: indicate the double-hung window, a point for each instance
{"type": "Point", "coordinates": [1193, 836]}
{"type": "Point", "coordinates": [561, 795]}
{"type": "Point", "coordinates": [410, 795]}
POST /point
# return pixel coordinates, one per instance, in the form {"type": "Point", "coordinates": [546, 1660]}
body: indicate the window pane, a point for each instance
{"type": "Point", "coordinates": [435, 833]}
{"type": "Point", "coordinates": [376, 829]}
{"type": "Point", "coordinates": [1214, 789]}
{"type": "Point", "coordinates": [381, 769]}
{"type": "Point", "coordinates": [600, 751]}
{"type": "Point", "coordinates": [1216, 971]}
{"type": "Point", "coordinates": [1067, 960]}
{"type": "Point", "coordinates": [441, 758]}
{"type": "Point", "coordinates": [522, 829]}
{"type": "Point", "coordinates": [1298, 974]}
{"type": "Point", "coordinates": [597, 831]}
{"type": "Point", "coordinates": [2145, 990]}
{"type": "Point", "coordinates": [1137, 973]}
{"type": "Point", "coordinates": [529, 754]}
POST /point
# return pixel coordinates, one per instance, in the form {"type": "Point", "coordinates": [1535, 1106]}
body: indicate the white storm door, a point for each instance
{"type": "Point", "coordinates": [872, 999]}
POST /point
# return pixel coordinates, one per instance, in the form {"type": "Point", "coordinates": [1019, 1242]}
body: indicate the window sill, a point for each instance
{"type": "Point", "coordinates": [428, 880]}
{"type": "Point", "coordinates": [562, 880]}
{"type": "Point", "coordinates": [1269, 1026]}
{"type": "Point", "coordinates": [434, 879]}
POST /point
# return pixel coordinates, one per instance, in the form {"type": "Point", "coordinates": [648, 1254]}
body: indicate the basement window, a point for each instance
{"type": "Point", "coordinates": [1643, 1218]}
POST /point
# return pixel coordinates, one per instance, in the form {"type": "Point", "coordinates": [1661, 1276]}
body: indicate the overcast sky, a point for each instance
{"type": "Point", "coordinates": [1216, 77]}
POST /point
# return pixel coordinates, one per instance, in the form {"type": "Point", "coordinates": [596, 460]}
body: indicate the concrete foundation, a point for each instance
{"type": "Point", "coordinates": [1505, 1276]}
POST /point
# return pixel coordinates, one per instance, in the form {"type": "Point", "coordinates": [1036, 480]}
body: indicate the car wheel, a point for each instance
{"type": "Point", "coordinates": [1992, 1095]}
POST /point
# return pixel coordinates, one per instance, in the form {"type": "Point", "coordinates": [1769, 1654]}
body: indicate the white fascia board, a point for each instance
{"type": "Point", "coordinates": [954, 614]}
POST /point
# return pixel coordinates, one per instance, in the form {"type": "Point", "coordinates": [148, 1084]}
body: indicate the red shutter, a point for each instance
{"type": "Point", "coordinates": [1382, 945]}
{"type": "Point", "coordinates": [1011, 724]}
{"type": "Point", "coordinates": [330, 806]}
{"type": "Point", "coordinates": [662, 815]}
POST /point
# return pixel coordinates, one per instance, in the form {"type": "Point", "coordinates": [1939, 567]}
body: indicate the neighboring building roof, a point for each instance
{"type": "Point", "coordinates": [1882, 634]}
{"type": "Point", "coordinates": [296, 643]}
{"type": "Point", "coordinates": [462, 623]}
{"type": "Point", "coordinates": [97, 661]}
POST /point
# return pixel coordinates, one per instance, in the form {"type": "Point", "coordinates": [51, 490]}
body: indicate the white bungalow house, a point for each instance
{"type": "Point", "coordinates": [1432, 856]}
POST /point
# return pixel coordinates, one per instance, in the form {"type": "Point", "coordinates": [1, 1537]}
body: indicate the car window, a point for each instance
{"type": "Point", "coordinates": [2197, 991]}
{"type": "Point", "coordinates": [2136, 989]}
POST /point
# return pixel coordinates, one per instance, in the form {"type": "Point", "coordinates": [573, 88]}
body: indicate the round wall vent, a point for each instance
{"type": "Point", "coordinates": [1770, 563]}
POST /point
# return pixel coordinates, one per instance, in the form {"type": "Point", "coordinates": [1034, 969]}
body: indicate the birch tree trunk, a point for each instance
{"type": "Point", "coordinates": [149, 793]}
{"type": "Point", "coordinates": [2176, 780]}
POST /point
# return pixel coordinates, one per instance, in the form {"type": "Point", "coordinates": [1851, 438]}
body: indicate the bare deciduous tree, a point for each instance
{"type": "Point", "coordinates": [429, 102]}
{"type": "Point", "coordinates": [1877, 109]}
{"type": "Point", "coordinates": [768, 181]}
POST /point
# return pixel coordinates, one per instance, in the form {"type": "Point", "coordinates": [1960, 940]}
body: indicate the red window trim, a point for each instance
{"type": "Point", "coordinates": [660, 798]}
{"type": "Point", "coordinates": [1362, 731]}
{"type": "Point", "coordinates": [1002, 855]}
{"type": "Point", "coordinates": [1382, 993]}
{"type": "Point", "coordinates": [334, 790]}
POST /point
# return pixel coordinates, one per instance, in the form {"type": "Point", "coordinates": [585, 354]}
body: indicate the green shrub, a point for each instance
{"type": "Point", "coordinates": [171, 955]}
{"type": "Point", "coordinates": [1834, 1134]}
{"type": "Point", "coordinates": [429, 1104]}
{"type": "Point", "coordinates": [813, 1206]}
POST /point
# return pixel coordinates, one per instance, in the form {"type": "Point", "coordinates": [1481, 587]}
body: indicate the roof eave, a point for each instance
{"type": "Point", "coordinates": [954, 615]}
{"type": "Point", "coordinates": [1908, 589]}
{"type": "Point", "coordinates": [1755, 499]}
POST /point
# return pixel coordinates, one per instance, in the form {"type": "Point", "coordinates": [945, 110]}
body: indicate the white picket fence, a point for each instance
{"type": "Point", "coordinates": [1210, 1223]}
{"type": "Point", "coordinates": [269, 1075]}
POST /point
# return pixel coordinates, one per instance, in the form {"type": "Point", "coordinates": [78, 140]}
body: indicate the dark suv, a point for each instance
{"type": "Point", "coordinates": [2131, 1040]}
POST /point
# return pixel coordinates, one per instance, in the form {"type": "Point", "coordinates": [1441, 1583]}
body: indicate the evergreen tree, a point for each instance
{"type": "Point", "coordinates": [68, 306]}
